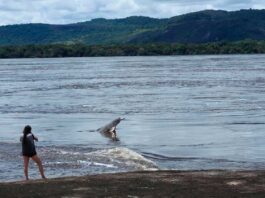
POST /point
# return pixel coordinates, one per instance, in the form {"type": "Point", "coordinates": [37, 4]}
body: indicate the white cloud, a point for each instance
{"type": "Point", "coordinates": [70, 11]}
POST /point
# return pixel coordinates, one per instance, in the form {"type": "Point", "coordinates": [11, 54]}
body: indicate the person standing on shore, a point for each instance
{"type": "Point", "coordinates": [29, 151]}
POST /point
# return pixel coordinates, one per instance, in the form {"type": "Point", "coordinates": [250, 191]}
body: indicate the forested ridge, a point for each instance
{"type": "Point", "coordinates": [198, 27]}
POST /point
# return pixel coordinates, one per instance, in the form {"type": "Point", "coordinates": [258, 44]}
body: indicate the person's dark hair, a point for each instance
{"type": "Point", "coordinates": [26, 131]}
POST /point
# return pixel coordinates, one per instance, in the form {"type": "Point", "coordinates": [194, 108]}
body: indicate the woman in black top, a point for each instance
{"type": "Point", "coordinates": [29, 151]}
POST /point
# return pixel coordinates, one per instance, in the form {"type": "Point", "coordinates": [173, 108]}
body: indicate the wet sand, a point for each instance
{"type": "Point", "coordinates": [214, 183]}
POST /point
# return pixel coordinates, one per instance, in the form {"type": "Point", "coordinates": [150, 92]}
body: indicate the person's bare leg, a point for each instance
{"type": "Point", "coordinates": [26, 166]}
{"type": "Point", "coordinates": [39, 163]}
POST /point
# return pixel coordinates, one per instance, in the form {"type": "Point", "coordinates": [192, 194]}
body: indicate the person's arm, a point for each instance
{"type": "Point", "coordinates": [35, 138]}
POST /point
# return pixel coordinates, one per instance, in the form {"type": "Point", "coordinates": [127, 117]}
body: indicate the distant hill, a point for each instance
{"type": "Point", "coordinates": [209, 26]}
{"type": "Point", "coordinates": [198, 27]}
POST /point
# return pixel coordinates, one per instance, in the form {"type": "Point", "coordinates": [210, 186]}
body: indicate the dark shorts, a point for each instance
{"type": "Point", "coordinates": [29, 154]}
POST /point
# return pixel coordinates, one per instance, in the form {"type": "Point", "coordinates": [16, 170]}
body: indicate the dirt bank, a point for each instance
{"type": "Point", "coordinates": [200, 184]}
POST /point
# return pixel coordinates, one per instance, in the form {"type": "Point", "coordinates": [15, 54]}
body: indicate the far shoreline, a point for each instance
{"type": "Point", "coordinates": [147, 56]}
{"type": "Point", "coordinates": [245, 47]}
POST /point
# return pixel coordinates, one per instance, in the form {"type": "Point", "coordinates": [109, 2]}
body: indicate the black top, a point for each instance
{"type": "Point", "coordinates": [28, 147]}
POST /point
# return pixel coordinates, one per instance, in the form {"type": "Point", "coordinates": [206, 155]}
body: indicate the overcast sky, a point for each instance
{"type": "Point", "coordinates": [70, 11]}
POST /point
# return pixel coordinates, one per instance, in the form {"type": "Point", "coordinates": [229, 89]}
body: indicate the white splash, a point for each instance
{"type": "Point", "coordinates": [88, 163]}
{"type": "Point", "coordinates": [124, 157]}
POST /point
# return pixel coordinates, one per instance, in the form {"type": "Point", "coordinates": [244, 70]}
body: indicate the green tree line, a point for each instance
{"type": "Point", "coordinates": [81, 50]}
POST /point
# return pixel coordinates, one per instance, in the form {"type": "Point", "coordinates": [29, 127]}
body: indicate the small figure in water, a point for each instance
{"type": "Point", "coordinates": [29, 151]}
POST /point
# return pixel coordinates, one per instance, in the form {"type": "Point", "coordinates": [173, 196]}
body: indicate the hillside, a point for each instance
{"type": "Point", "coordinates": [209, 26]}
{"type": "Point", "coordinates": [198, 27]}
{"type": "Point", "coordinates": [96, 31]}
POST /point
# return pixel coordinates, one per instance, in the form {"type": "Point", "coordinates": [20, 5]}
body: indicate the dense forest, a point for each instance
{"type": "Point", "coordinates": [204, 32]}
{"type": "Point", "coordinates": [198, 27]}
{"type": "Point", "coordinates": [81, 50]}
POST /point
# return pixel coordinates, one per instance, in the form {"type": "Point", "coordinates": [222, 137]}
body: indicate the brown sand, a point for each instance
{"type": "Point", "coordinates": [223, 184]}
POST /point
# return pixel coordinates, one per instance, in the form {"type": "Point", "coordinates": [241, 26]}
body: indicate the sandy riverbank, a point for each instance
{"type": "Point", "coordinates": [216, 183]}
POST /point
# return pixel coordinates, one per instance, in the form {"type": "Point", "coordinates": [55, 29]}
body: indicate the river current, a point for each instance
{"type": "Point", "coordinates": [181, 112]}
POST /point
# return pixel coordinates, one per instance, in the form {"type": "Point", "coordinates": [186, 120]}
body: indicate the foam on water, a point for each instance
{"type": "Point", "coordinates": [87, 163]}
{"type": "Point", "coordinates": [72, 160]}
{"type": "Point", "coordinates": [125, 157]}
{"type": "Point", "coordinates": [118, 157]}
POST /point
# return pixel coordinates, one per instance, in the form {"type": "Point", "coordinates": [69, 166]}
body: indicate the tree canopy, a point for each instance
{"type": "Point", "coordinates": [81, 50]}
